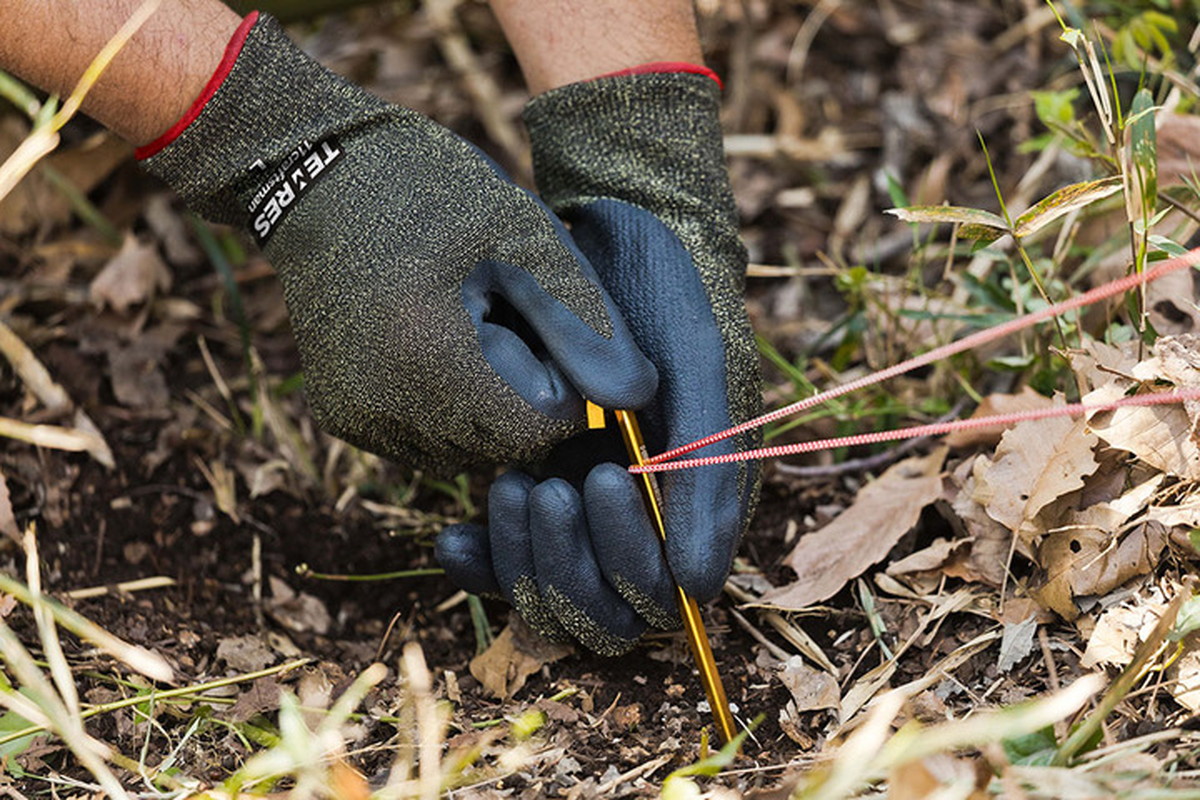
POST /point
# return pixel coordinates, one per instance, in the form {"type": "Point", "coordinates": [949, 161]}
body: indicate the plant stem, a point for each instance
{"type": "Point", "coordinates": [304, 571]}
{"type": "Point", "coordinates": [166, 694]}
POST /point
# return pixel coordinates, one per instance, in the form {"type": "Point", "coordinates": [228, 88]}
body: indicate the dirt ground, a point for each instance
{"type": "Point", "coordinates": [221, 484]}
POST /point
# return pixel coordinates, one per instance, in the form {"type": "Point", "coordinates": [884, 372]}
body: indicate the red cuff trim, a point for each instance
{"type": "Point", "coordinates": [232, 51]}
{"type": "Point", "coordinates": [665, 66]}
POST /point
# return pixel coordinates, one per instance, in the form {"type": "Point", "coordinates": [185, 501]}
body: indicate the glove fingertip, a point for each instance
{"type": "Point", "coordinates": [465, 554]}
{"type": "Point", "coordinates": [630, 382]}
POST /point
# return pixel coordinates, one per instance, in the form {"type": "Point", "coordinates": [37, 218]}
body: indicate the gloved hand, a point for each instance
{"type": "Point", "coordinates": [634, 162]}
{"type": "Point", "coordinates": [405, 256]}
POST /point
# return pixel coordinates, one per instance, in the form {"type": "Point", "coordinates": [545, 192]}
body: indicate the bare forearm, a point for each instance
{"type": "Point", "coordinates": [151, 82]}
{"type": "Point", "coordinates": [564, 41]}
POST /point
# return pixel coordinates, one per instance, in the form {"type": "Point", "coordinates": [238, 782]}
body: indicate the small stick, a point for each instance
{"type": "Point", "coordinates": [141, 584]}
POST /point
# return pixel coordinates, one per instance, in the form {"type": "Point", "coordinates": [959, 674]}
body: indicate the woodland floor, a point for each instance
{"type": "Point", "coordinates": [229, 508]}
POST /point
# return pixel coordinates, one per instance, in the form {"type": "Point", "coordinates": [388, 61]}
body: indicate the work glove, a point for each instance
{"type": "Point", "coordinates": [634, 163]}
{"type": "Point", "coordinates": [442, 314]}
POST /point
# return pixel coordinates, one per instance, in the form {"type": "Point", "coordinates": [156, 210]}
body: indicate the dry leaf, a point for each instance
{"type": "Point", "coordinates": [1186, 514]}
{"type": "Point", "coordinates": [937, 776]}
{"type": "Point", "coordinates": [1160, 436]}
{"type": "Point", "coordinates": [1178, 147]}
{"type": "Point", "coordinates": [1176, 360]}
{"type": "Point", "coordinates": [1100, 364]}
{"type": "Point", "coordinates": [262, 697]}
{"type": "Point", "coordinates": [1017, 642]}
{"type": "Point", "coordinates": [135, 367]}
{"type": "Point", "coordinates": [266, 477]}
{"type": "Point", "coordinates": [991, 542]}
{"type": "Point", "coordinates": [514, 655]}
{"type": "Point", "coordinates": [1085, 562]}
{"type": "Point", "coordinates": [885, 509]}
{"type": "Point", "coordinates": [1119, 631]}
{"type": "Point", "coordinates": [1184, 675]}
{"type": "Point", "coordinates": [8, 520]}
{"type": "Point", "coordinates": [930, 559]}
{"type": "Point", "coordinates": [297, 611]}
{"type": "Point", "coordinates": [811, 689]}
{"type": "Point", "coordinates": [347, 783]}
{"type": "Point", "coordinates": [245, 653]}
{"type": "Point", "coordinates": [315, 693]}
{"type": "Point", "coordinates": [1036, 463]}
{"type": "Point", "coordinates": [1172, 302]}
{"type": "Point", "coordinates": [170, 229]}
{"type": "Point", "coordinates": [1025, 400]}
{"type": "Point", "coordinates": [133, 276]}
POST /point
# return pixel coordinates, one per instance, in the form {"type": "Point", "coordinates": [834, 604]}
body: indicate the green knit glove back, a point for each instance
{"type": "Point", "coordinates": [635, 163]}
{"type": "Point", "coordinates": [405, 257]}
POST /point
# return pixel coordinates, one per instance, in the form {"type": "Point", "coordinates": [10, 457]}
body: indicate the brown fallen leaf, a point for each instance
{"type": "Point", "coordinates": [1035, 463]}
{"type": "Point", "coordinates": [245, 653]}
{"type": "Point", "coordinates": [1184, 675]}
{"type": "Point", "coordinates": [885, 509]}
{"type": "Point", "coordinates": [1178, 147]}
{"type": "Point", "coordinates": [811, 689]}
{"type": "Point", "coordinates": [929, 559]}
{"type": "Point", "coordinates": [1099, 364]}
{"type": "Point", "coordinates": [1177, 360]}
{"type": "Point", "coordinates": [938, 775]}
{"type": "Point", "coordinates": [135, 367]}
{"type": "Point", "coordinates": [133, 276]}
{"type": "Point", "coordinates": [1160, 436]}
{"type": "Point", "coordinates": [514, 655]}
{"type": "Point", "coordinates": [297, 611]}
{"type": "Point", "coordinates": [1085, 562]}
{"type": "Point", "coordinates": [1120, 630]}
{"type": "Point", "coordinates": [987, 559]}
{"type": "Point", "coordinates": [1183, 512]}
{"type": "Point", "coordinates": [1173, 303]}
{"type": "Point", "coordinates": [261, 698]}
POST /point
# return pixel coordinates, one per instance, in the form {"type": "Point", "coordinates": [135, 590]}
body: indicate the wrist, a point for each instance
{"type": "Point", "coordinates": [558, 44]}
{"type": "Point", "coordinates": [232, 50]}
{"type": "Point", "coordinates": [270, 106]}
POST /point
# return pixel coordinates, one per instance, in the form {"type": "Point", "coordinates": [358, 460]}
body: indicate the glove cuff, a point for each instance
{"type": "Point", "coordinates": [652, 139]}
{"type": "Point", "coordinates": [232, 51]}
{"type": "Point", "coordinates": [266, 126]}
{"type": "Point", "coordinates": [656, 67]}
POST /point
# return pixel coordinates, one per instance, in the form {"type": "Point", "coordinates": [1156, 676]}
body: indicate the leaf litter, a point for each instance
{"type": "Point", "coordinates": [981, 572]}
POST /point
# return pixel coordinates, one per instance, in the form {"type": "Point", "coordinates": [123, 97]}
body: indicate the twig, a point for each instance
{"type": "Point", "coordinates": [759, 636]}
{"type": "Point", "coordinates": [794, 635]}
{"type": "Point", "coordinates": [53, 436]}
{"type": "Point", "coordinates": [139, 585]}
{"type": "Point", "coordinates": [648, 768]}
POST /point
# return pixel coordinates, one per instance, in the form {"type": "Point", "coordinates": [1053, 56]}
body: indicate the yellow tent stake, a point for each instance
{"type": "Point", "coordinates": [688, 609]}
